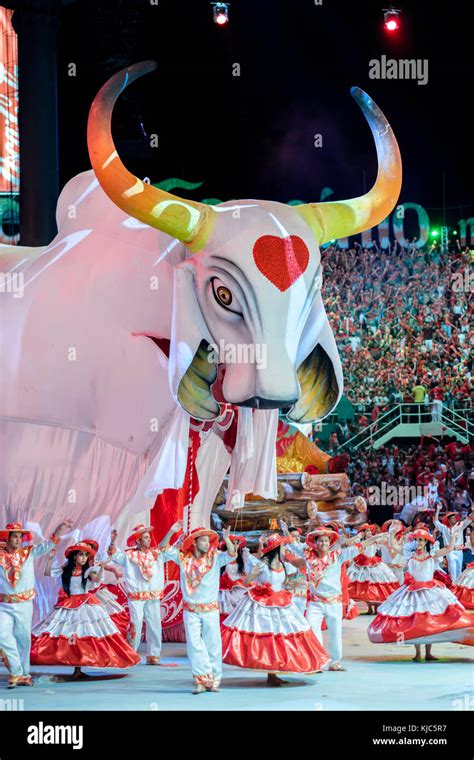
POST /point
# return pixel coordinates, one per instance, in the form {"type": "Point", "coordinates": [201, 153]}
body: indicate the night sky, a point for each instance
{"type": "Point", "coordinates": [252, 136]}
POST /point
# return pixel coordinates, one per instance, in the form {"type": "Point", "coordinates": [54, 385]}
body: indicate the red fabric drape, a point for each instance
{"type": "Point", "coordinates": [169, 507]}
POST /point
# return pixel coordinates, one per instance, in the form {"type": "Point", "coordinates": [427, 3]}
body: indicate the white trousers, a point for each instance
{"type": "Point", "coordinates": [436, 410]}
{"type": "Point", "coordinates": [150, 610]}
{"type": "Point", "coordinates": [15, 636]}
{"type": "Point", "coordinates": [204, 645]}
{"type": "Point", "coordinates": [315, 613]}
{"type": "Point", "coordinates": [455, 564]}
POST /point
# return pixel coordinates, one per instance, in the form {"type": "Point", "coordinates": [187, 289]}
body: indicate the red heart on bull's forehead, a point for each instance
{"type": "Point", "coordinates": [281, 260]}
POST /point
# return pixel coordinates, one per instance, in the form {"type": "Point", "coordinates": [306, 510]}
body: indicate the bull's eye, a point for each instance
{"type": "Point", "coordinates": [224, 297]}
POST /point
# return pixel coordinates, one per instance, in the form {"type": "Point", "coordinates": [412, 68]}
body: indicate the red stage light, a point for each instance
{"type": "Point", "coordinates": [221, 13]}
{"type": "Point", "coordinates": [391, 21]}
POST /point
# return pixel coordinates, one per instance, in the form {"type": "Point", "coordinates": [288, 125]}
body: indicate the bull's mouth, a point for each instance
{"type": "Point", "coordinates": [200, 390]}
{"type": "Point", "coordinates": [257, 402]}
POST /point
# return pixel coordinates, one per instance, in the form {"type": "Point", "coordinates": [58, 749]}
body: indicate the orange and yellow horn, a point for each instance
{"type": "Point", "coordinates": [188, 221]}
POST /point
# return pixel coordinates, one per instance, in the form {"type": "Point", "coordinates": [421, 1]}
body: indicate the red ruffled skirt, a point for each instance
{"type": "Point", "coordinates": [119, 614]}
{"type": "Point", "coordinates": [420, 613]}
{"type": "Point", "coordinates": [463, 589]}
{"type": "Point", "coordinates": [370, 580]}
{"type": "Point", "coordinates": [267, 632]}
{"type": "Point", "coordinates": [79, 632]}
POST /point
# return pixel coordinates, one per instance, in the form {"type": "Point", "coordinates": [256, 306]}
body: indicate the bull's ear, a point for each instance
{"type": "Point", "coordinates": [319, 376]}
{"type": "Point", "coordinates": [194, 390]}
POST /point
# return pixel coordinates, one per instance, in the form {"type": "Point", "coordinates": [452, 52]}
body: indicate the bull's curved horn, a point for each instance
{"type": "Point", "coordinates": [189, 221]}
{"type": "Point", "coordinates": [335, 220]}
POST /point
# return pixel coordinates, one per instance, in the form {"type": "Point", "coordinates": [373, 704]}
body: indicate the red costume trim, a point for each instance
{"type": "Point", "coordinates": [203, 607]}
{"type": "Point", "coordinates": [25, 596]}
{"type": "Point", "coordinates": [195, 569]}
{"type": "Point", "coordinates": [144, 559]}
{"type": "Point", "coordinates": [12, 563]}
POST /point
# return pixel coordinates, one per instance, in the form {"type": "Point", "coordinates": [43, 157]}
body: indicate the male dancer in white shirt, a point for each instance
{"type": "Point", "coordinates": [200, 563]}
{"type": "Point", "coordinates": [17, 591]}
{"type": "Point", "coordinates": [323, 566]}
{"type": "Point", "coordinates": [144, 581]}
{"type": "Point", "coordinates": [451, 526]}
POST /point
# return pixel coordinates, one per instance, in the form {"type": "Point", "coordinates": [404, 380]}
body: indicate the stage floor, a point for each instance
{"type": "Point", "coordinates": [379, 677]}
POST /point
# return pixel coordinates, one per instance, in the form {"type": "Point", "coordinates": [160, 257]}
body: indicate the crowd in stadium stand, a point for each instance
{"type": "Point", "coordinates": [403, 321]}
{"type": "Point", "coordinates": [403, 325]}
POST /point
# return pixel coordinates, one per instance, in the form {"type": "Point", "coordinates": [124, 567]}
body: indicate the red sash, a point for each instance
{"type": "Point", "coordinates": [413, 585]}
{"type": "Point", "coordinates": [363, 561]}
{"type": "Point", "coordinates": [265, 595]}
{"type": "Point", "coordinates": [76, 600]}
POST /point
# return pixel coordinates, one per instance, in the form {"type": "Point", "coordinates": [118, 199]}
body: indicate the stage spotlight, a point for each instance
{"type": "Point", "coordinates": [434, 233]}
{"type": "Point", "coordinates": [391, 19]}
{"type": "Point", "coordinates": [221, 13]}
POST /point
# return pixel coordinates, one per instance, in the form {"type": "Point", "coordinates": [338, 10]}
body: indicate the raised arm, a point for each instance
{"type": "Point", "coordinates": [293, 559]}
{"type": "Point", "coordinates": [175, 528]}
{"type": "Point", "coordinates": [446, 550]}
{"type": "Point", "coordinates": [45, 546]}
{"type": "Point", "coordinates": [252, 576]}
{"type": "Point", "coordinates": [95, 573]}
{"type": "Point", "coordinates": [230, 546]}
{"type": "Point", "coordinates": [49, 562]}
{"type": "Point", "coordinates": [436, 520]}
{"type": "Point", "coordinates": [467, 521]}
{"type": "Point", "coordinates": [393, 543]}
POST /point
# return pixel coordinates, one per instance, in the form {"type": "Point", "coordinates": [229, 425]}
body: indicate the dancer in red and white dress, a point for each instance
{"type": "Point", "coordinates": [370, 579]}
{"type": "Point", "coordinates": [119, 614]}
{"type": "Point", "coordinates": [267, 632]}
{"type": "Point", "coordinates": [423, 610]}
{"type": "Point", "coordinates": [463, 589]}
{"type": "Point", "coordinates": [395, 560]}
{"type": "Point", "coordinates": [78, 631]}
{"type": "Point", "coordinates": [232, 582]}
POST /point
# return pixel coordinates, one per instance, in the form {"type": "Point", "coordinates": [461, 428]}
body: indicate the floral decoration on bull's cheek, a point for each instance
{"type": "Point", "coordinates": [282, 260]}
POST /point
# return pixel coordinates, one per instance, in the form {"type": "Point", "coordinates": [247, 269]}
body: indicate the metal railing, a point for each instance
{"type": "Point", "coordinates": [412, 414]}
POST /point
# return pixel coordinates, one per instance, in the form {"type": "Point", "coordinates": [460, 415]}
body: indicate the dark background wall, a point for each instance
{"type": "Point", "coordinates": [252, 136]}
